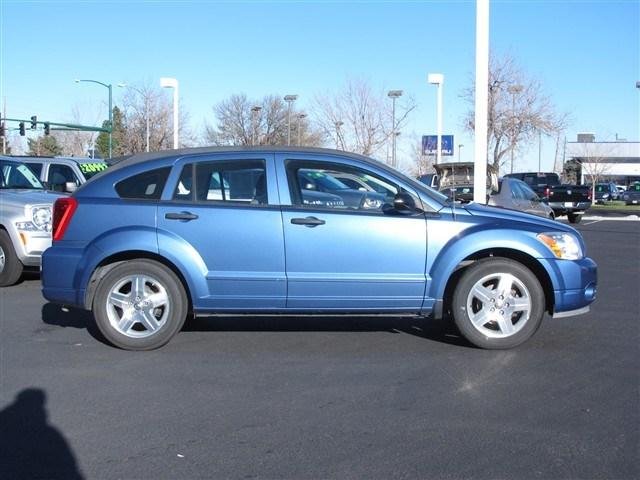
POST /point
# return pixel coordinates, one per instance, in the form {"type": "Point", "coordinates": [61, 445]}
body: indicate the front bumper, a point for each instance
{"type": "Point", "coordinates": [575, 283]}
{"type": "Point", "coordinates": [29, 246]}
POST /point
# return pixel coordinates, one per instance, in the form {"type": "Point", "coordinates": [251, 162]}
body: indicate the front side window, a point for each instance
{"type": "Point", "coordinates": [340, 187]}
{"type": "Point", "coordinates": [60, 175]}
{"type": "Point", "coordinates": [232, 182]}
{"type": "Point", "coordinates": [144, 186]}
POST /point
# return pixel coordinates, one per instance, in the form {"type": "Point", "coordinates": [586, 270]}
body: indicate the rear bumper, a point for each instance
{"type": "Point", "coordinates": [59, 270]}
{"type": "Point", "coordinates": [562, 208]}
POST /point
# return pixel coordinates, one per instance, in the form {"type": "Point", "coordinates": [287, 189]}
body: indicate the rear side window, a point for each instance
{"type": "Point", "coordinates": [145, 186]}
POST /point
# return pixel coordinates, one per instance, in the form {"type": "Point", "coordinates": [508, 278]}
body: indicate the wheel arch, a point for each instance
{"type": "Point", "coordinates": [109, 262]}
{"type": "Point", "coordinates": [523, 258]}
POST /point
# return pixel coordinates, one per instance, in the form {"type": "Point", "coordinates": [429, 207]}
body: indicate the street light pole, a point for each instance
{"type": "Point", "coordinates": [438, 79]}
{"type": "Point", "coordinates": [109, 87]}
{"type": "Point", "coordinates": [393, 94]}
{"type": "Point", "coordinates": [254, 114]}
{"type": "Point", "coordinates": [289, 99]}
{"type": "Point", "coordinates": [300, 117]}
{"type": "Point", "coordinates": [168, 82]}
{"type": "Point", "coordinates": [459, 151]}
{"type": "Point", "coordinates": [513, 90]}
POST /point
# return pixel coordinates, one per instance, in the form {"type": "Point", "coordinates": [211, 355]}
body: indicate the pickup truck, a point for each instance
{"type": "Point", "coordinates": [569, 200]}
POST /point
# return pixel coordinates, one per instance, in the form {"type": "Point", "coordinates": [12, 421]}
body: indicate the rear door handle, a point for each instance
{"type": "Point", "coordinates": [184, 216]}
{"type": "Point", "coordinates": [308, 221]}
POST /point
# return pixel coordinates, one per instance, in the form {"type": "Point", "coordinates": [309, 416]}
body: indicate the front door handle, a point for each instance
{"type": "Point", "coordinates": [184, 216]}
{"type": "Point", "coordinates": [308, 221]}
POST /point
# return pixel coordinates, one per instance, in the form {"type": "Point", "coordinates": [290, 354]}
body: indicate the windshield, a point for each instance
{"type": "Point", "coordinates": [17, 175]}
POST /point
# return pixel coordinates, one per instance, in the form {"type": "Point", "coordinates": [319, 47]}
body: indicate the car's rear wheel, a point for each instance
{"type": "Point", "coordinates": [140, 305]}
{"type": "Point", "coordinates": [498, 303]}
{"type": "Point", "coordinates": [10, 265]}
{"type": "Point", "coordinates": [574, 218]}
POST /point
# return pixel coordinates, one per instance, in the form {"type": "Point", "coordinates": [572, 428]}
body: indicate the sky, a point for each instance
{"type": "Point", "coordinates": [586, 54]}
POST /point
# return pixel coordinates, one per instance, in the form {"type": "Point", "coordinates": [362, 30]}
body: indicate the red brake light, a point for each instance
{"type": "Point", "coordinates": [547, 192]}
{"type": "Point", "coordinates": [63, 210]}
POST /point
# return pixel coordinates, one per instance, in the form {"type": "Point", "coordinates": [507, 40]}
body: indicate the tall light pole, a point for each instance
{"type": "Point", "coordinates": [459, 151]}
{"type": "Point", "coordinates": [168, 82]}
{"type": "Point", "coordinates": [289, 99]}
{"type": "Point", "coordinates": [255, 111]}
{"type": "Point", "coordinates": [300, 117]}
{"type": "Point", "coordinates": [338, 124]}
{"type": "Point", "coordinates": [481, 117]}
{"type": "Point", "coordinates": [393, 94]}
{"type": "Point", "coordinates": [513, 90]}
{"type": "Point", "coordinates": [438, 79]}
{"type": "Point", "coordinates": [146, 111]}
{"type": "Point", "coordinates": [109, 87]}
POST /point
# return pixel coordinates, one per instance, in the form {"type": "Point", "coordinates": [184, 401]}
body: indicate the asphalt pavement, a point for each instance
{"type": "Point", "coordinates": [312, 398]}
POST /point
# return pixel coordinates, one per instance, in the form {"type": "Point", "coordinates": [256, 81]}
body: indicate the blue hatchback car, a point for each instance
{"type": "Point", "coordinates": [164, 235]}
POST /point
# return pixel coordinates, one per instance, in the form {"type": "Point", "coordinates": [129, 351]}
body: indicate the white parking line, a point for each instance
{"type": "Point", "coordinates": [628, 218]}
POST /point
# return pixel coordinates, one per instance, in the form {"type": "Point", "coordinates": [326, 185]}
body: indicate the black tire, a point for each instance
{"type": "Point", "coordinates": [574, 218]}
{"type": "Point", "coordinates": [128, 328]}
{"type": "Point", "coordinates": [524, 288]}
{"type": "Point", "coordinates": [11, 268]}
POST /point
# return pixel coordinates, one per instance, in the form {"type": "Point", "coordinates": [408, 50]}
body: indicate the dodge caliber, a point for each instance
{"type": "Point", "coordinates": [161, 237]}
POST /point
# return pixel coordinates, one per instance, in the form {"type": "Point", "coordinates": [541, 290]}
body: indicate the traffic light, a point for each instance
{"type": "Point", "coordinates": [47, 129]}
{"type": "Point", "coordinates": [34, 122]}
{"type": "Point", "coordinates": [21, 125]}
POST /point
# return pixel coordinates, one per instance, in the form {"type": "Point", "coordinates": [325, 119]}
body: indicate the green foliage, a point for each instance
{"type": "Point", "coordinates": [44, 146]}
{"type": "Point", "coordinates": [117, 143]}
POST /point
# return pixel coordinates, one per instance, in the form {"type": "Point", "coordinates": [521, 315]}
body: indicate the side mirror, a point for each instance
{"type": "Point", "coordinates": [70, 187]}
{"type": "Point", "coordinates": [404, 203]}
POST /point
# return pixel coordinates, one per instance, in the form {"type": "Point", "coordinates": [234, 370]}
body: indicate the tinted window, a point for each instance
{"type": "Point", "coordinates": [59, 175]}
{"type": "Point", "coordinates": [36, 167]}
{"type": "Point", "coordinates": [146, 185]}
{"type": "Point", "coordinates": [17, 175]}
{"type": "Point", "coordinates": [239, 182]}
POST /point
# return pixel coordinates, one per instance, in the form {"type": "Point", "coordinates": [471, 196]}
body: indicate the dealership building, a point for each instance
{"type": "Point", "coordinates": [617, 161]}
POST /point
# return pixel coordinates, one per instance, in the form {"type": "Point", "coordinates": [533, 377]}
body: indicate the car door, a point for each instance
{"type": "Point", "coordinates": [345, 258]}
{"type": "Point", "coordinates": [225, 209]}
{"type": "Point", "coordinates": [58, 175]}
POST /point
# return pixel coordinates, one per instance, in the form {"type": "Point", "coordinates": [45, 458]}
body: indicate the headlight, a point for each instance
{"type": "Point", "coordinates": [563, 245]}
{"type": "Point", "coordinates": [41, 217]}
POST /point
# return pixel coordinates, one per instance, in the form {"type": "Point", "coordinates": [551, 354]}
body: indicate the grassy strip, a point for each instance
{"type": "Point", "coordinates": [616, 205]}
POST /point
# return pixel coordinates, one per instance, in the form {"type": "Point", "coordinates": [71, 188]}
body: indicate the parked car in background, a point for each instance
{"type": "Point", "coordinates": [632, 195]}
{"type": "Point", "coordinates": [321, 180]}
{"type": "Point", "coordinates": [516, 195]}
{"type": "Point", "coordinates": [456, 180]}
{"type": "Point", "coordinates": [25, 220]}
{"type": "Point", "coordinates": [621, 189]}
{"type": "Point", "coordinates": [430, 179]}
{"type": "Point", "coordinates": [569, 200]}
{"type": "Point", "coordinates": [158, 254]}
{"type": "Point", "coordinates": [64, 174]}
{"type": "Point", "coordinates": [605, 192]}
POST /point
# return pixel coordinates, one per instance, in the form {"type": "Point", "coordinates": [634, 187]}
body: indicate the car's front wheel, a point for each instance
{"type": "Point", "coordinates": [498, 303]}
{"type": "Point", "coordinates": [10, 266]}
{"type": "Point", "coordinates": [140, 305]}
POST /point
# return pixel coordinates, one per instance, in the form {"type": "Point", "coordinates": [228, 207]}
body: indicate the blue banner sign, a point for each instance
{"type": "Point", "coordinates": [430, 145]}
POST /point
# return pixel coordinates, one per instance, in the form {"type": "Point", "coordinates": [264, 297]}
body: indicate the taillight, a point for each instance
{"type": "Point", "coordinates": [63, 210]}
{"type": "Point", "coordinates": [547, 192]}
{"type": "Point", "coordinates": [589, 196]}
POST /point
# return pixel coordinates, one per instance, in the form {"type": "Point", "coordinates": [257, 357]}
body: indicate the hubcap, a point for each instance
{"type": "Point", "coordinates": [499, 305]}
{"type": "Point", "coordinates": [2, 260]}
{"type": "Point", "coordinates": [138, 306]}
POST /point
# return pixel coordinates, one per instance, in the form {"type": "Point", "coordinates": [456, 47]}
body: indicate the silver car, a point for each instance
{"type": "Point", "coordinates": [25, 220]}
{"type": "Point", "coordinates": [514, 194]}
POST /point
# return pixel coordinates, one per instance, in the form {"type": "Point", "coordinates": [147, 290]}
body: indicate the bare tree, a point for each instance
{"type": "Point", "coordinates": [148, 111]}
{"type": "Point", "coordinates": [518, 110]}
{"type": "Point", "coordinates": [239, 122]}
{"type": "Point", "coordinates": [359, 120]}
{"type": "Point", "coordinates": [421, 164]}
{"type": "Point", "coordinates": [77, 143]}
{"type": "Point", "coordinates": [592, 158]}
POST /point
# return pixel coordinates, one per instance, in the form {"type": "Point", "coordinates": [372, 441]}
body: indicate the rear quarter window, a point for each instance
{"type": "Point", "coordinates": [144, 186]}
